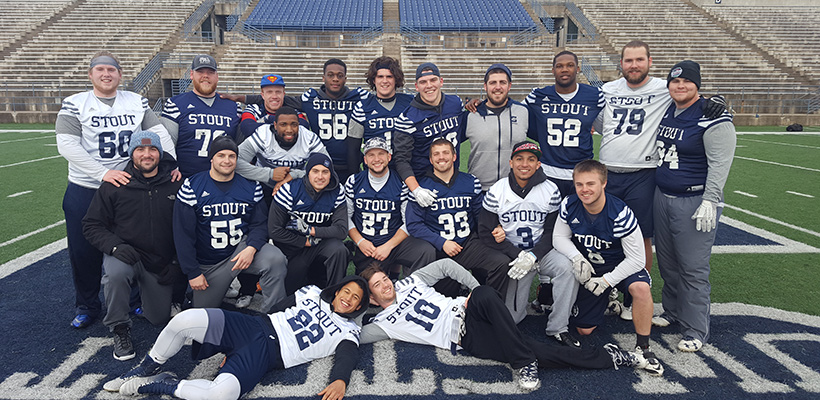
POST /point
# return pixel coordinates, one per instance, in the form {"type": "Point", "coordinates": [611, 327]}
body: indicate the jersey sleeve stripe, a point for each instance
{"type": "Point", "coordinates": [284, 198]}
{"type": "Point", "coordinates": [257, 193]}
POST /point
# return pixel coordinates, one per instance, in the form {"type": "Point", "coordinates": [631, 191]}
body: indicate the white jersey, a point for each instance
{"type": "Point", "coordinates": [311, 330]}
{"type": "Point", "coordinates": [630, 123]}
{"type": "Point", "coordinates": [522, 219]}
{"type": "Point", "coordinates": [270, 155]}
{"type": "Point", "coordinates": [421, 315]}
{"type": "Point", "coordinates": [106, 131]}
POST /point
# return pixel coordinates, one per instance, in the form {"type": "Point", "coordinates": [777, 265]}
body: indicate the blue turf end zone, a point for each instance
{"type": "Point", "coordinates": [755, 353]}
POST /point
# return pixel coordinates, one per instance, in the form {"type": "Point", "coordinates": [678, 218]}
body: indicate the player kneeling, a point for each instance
{"type": "Point", "coordinates": [255, 345]}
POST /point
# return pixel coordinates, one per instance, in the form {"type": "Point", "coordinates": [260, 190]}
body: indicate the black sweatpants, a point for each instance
{"type": "Point", "coordinates": [487, 265]}
{"type": "Point", "coordinates": [492, 334]}
{"type": "Point", "coordinates": [328, 259]}
{"type": "Point", "coordinates": [412, 253]}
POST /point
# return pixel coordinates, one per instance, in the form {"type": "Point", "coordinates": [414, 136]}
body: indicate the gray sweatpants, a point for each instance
{"type": "Point", "coordinates": [269, 262]}
{"type": "Point", "coordinates": [117, 282]}
{"type": "Point", "coordinates": [683, 261]}
{"type": "Point", "coordinates": [557, 267]}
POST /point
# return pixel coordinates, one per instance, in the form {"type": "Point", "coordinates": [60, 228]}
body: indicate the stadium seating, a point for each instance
{"type": "Point", "coordinates": [676, 30]}
{"type": "Point", "coordinates": [320, 15]}
{"type": "Point", "coordinates": [464, 15]}
{"type": "Point", "coordinates": [18, 19]}
{"type": "Point", "coordinates": [57, 58]}
{"type": "Point", "coordinates": [790, 34]}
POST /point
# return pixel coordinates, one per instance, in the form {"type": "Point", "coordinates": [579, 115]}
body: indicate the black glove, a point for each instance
{"type": "Point", "coordinates": [126, 253]}
{"type": "Point", "coordinates": [714, 107]}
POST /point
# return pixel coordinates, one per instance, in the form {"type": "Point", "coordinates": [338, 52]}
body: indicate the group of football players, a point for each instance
{"type": "Point", "coordinates": [171, 210]}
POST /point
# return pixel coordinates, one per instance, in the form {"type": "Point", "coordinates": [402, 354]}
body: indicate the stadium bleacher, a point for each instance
{"type": "Point", "coordinates": [464, 15]}
{"type": "Point", "coordinates": [319, 15]}
{"type": "Point", "coordinates": [790, 34]}
{"type": "Point", "coordinates": [18, 20]}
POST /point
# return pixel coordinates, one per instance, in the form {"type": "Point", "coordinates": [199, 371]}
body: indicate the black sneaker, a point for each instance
{"type": "Point", "coordinates": [567, 340]}
{"type": "Point", "coordinates": [123, 348]}
{"type": "Point", "coordinates": [148, 367]}
{"type": "Point", "coordinates": [163, 383]}
{"type": "Point", "coordinates": [621, 357]}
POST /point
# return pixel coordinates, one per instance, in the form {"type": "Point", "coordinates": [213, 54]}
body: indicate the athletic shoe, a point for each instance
{"type": "Point", "coordinates": [613, 294]}
{"type": "Point", "coordinates": [232, 293]}
{"type": "Point", "coordinates": [663, 320]}
{"type": "Point", "coordinates": [528, 376]}
{"type": "Point", "coordinates": [621, 357]}
{"type": "Point", "coordinates": [652, 366]}
{"type": "Point", "coordinates": [148, 367]}
{"type": "Point", "coordinates": [163, 383]}
{"type": "Point", "coordinates": [689, 344]}
{"type": "Point", "coordinates": [567, 340]}
{"type": "Point", "coordinates": [540, 308]}
{"type": "Point", "coordinates": [123, 348]}
{"type": "Point", "coordinates": [626, 313]}
{"type": "Point", "coordinates": [243, 301]}
{"type": "Point", "coordinates": [81, 321]}
{"type": "Point", "coordinates": [176, 308]}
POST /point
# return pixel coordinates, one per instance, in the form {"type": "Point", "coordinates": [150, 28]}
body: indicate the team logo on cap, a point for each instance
{"type": "Point", "coordinates": [204, 60]}
{"type": "Point", "coordinates": [145, 142]}
{"type": "Point", "coordinates": [273, 78]}
{"type": "Point", "coordinates": [326, 163]}
{"type": "Point", "coordinates": [676, 72]}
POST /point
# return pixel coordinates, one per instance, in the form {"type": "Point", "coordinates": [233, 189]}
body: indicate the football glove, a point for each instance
{"type": "Point", "coordinates": [314, 240]}
{"type": "Point", "coordinates": [299, 225]}
{"type": "Point", "coordinates": [714, 107]}
{"type": "Point", "coordinates": [706, 216]}
{"type": "Point", "coordinates": [597, 285]}
{"type": "Point", "coordinates": [424, 197]}
{"type": "Point", "coordinates": [582, 268]}
{"type": "Point", "coordinates": [126, 253]}
{"type": "Point", "coordinates": [521, 265]}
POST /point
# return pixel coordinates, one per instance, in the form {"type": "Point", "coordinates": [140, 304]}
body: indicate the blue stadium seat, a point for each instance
{"type": "Point", "coordinates": [342, 15]}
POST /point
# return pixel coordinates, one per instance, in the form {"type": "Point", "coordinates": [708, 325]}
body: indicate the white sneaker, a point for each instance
{"type": "Point", "coordinates": [243, 301]}
{"type": "Point", "coordinates": [232, 293]}
{"type": "Point", "coordinates": [528, 376]}
{"type": "Point", "coordinates": [689, 344]}
{"type": "Point", "coordinates": [626, 313]}
{"type": "Point", "coordinates": [663, 320]}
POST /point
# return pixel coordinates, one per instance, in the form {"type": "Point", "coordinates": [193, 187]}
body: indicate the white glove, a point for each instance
{"type": "Point", "coordinates": [706, 216]}
{"type": "Point", "coordinates": [425, 197]}
{"type": "Point", "coordinates": [596, 285]}
{"type": "Point", "coordinates": [521, 265]}
{"type": "Point", "coordinates": [582, 268]}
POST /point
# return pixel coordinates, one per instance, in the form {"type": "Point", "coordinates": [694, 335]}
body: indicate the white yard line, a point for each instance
{"type": "Point", "coordinates": [34, 232]}
{"type": "Point", "coordinates": [782, 144]}
{"type": "Point", "coordinates": [25, 139]}
{"type": "Point", "coordinates": [778, 164]}
{"type": "Point", "coordinates": [31, 258]}
{"type": "Point", "coordinates": [780, 133]}
{"type": "Point", "coordinates": [26, 130]}
{"type": "Point", "coordinates": [745, 194]}
{"type": "Point", "coordinates": [776, 221]}
{"type": "Point", "coordinates": [800, 194]}
{"type": "Point", "coordinates": [785, 245]}
{"type": "Point", "coordinates": [19, 194]}
{"type": "Point", "coordinates": [30, 161]}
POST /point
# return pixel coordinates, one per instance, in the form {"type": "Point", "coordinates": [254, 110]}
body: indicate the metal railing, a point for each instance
{"type": "Point", "coordinates": [233, 19]}
{"type": "Point", "coordinates": [590, 31]}
{"type": "Point", "coordinates": [191, 25]}
{"type": "Point", "coordinates": [148, 75]}
{"type": "Point", "coordinates": [545, 18]}
{"type": "Point", "coordinates": [589, 72]}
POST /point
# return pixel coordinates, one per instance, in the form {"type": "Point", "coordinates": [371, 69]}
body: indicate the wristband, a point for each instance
{"type": "Point", "coordinates": [360, 240]}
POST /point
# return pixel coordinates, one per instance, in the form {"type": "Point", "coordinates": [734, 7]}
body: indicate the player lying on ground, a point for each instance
{"type": "Point", "coordinates": [480, 323]}
{"type": "Point", "coordinates": [308, 325]}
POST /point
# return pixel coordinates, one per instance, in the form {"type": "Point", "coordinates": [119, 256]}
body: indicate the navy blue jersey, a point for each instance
{"type": "Point", "coordinates": [377, 215]}
{"type": "Point", "coordinates": [329, 118]}
{"type": "Point", "coordinates": [209, 223]}
{"type": "Point", "coordinates": [377, 120]}
{"type": "Point", "coordinates": [562, 128]}
{"type": "Point", "coordinates": [295, 200]}
{"type": "Point", "coordinates": [683, 166]}
{"type": "Point", "coordinates": [598, 237]}
{"type": "Point", "coordinates": [426, 125]}
{"type": "Point", "coordinates": [199, 124]}
{"type": "Point", "coordinates": [452, 216]}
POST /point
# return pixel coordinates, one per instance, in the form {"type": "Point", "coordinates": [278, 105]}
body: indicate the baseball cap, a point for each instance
{"type": "Point", "coordinates": [203, 61]}
{"type": "Point", "coordinates": [222, 143]}
{"type": "Point", "coordinates": [526, 146]}
{"type": "Point", "coordinates": [686, 69]}
{"type": "Point", "coordinates": [498, 66]}
{"type": "Point", "coordinates": [377, 142]}
{"type": "Point", "coordinates": [428, 65]}
{"type": "Point", "coordinates": [272, 80]}
{"type": "Point", "coordinates": [144, 138]}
